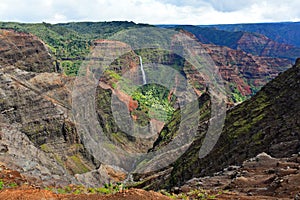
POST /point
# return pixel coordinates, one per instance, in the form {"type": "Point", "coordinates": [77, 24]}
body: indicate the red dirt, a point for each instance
{"type": "Point", "coordinates": [36, 194]}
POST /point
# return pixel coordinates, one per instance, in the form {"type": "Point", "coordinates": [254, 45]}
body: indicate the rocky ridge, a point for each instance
{"type": "Point", "coordinates": [263, 46]}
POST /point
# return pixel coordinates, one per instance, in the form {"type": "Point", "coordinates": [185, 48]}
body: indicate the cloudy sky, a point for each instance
{"type": "Point", "coordinates": [151, 11]}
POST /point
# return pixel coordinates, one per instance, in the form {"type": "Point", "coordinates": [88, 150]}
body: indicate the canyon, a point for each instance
{"type": "Point", "coordinates": [41, 140]}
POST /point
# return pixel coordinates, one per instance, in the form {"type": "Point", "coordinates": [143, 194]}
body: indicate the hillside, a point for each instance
{"type": "Point", "coordinates": [35, 125]}
{"type": "Point", "coordinates": [264, 123]}
{"type": "Point", "coordinates": [244, 74]}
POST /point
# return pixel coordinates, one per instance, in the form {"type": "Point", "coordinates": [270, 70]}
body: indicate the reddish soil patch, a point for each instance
{"type": "Point", "coordinates": [36, 194]}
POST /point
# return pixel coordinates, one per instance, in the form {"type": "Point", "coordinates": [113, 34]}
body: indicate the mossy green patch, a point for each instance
{"type": "Point", "coordinates": [59, 160]}
{"type": "Point", "coordinates": [79, 167]}
{"type": "Point", "coordinates": [257, 137]}
{"type": "Point", "coordinates": [45, 148]}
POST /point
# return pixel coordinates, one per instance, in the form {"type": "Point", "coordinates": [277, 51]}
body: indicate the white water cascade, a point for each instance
{"type": "Point", "coordinates": [143, 72]}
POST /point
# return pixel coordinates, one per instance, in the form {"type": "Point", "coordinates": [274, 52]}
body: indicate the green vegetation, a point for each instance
{"type": "Point", "coordinates": [70, 67]}
{"type": "Point", "coordinates": [79, 166]}
{"type": "Point", "coordinates": [80, 189]}
{"type": "Point", "coordinates": [7, 184]}
{"type": "Point", "coordinates": [1, 184]}
{"type": "Point", "coordinates": [236, 95]}
{"type": "Point", "coordinates": [12, 185]}
{"type": "Point", "coordinates": [112, 74]}
{"type": "Point", "coordinates": [153, 100]}
{"type": "Point", "coordinates": [70, 43]}
{"type": "Point", "coordinates": [58, 159]}
{"type": "Point", "coordinates": [171, 128]}
{"type": "Point", "coordinates": [44, 147]}
{"type": "Point", "coordinates": [194, 194]}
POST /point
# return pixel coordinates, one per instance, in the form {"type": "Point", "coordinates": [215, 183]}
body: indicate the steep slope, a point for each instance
{"type": "Point", "coordinates": [38, 134]}
{"type": "Point", "coordinates": [261, 45]}
{"type": "Point", "coordinates": [244, 74]}
{"type": "Point", "coordinates": [24, 51]}
{"type": "Point", "coordinates": [265, 123]}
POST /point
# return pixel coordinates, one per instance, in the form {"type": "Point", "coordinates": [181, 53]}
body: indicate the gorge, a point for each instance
{"type": "Point", "coordinates": [40, 137]}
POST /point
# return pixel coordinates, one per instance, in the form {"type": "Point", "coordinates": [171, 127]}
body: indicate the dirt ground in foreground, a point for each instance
{"type": "Point", "coordinates": [36, 194]}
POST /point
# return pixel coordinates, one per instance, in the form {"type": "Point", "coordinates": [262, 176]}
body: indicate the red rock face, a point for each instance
{"type": "Point", "coordinates": [24, 51]}
{"type": "Point", "coordinates": [244, 70]}
{"type": "Point", "coordinates": [263, 46]}
{"type": "Point", "coordinates": [127, 99]}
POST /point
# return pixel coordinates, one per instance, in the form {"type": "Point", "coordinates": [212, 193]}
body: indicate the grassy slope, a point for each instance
{"type": "Point", "coordinates": [267, 122]}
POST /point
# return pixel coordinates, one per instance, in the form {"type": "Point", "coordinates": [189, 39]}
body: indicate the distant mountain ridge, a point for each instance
{"type": "Point", "coordinates": [282, 32]}
{"type": "Point", "coordinates": [250, 42]}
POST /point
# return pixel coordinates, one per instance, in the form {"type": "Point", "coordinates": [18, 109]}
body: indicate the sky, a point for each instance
{"type": "Point", "coordinates": [151, 11]}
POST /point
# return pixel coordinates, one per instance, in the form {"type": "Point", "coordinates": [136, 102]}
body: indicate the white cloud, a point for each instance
{"type": "Point", "coordinates": [151, 11]}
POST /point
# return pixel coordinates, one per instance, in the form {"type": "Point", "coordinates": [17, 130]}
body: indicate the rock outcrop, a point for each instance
{"type": "Point", "coordinates": [24, 51]}
{"type": "Point", "coordinates": [262, 177]}
{"type": "Point", "coordinates": [39, 135]}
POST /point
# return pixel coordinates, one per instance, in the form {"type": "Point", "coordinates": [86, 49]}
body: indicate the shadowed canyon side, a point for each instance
{"type": "Point", "coordinates": [264, 123]}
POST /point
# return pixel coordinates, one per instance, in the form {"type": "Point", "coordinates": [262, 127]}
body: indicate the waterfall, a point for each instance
{"type": "Point", "coordinates": [143, 72]}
